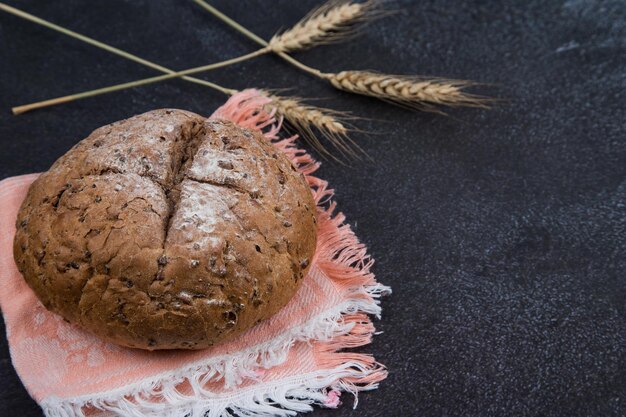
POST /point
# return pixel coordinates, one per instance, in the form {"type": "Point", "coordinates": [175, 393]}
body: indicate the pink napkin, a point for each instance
{"type": "Point", "coordinates": [284, 365]}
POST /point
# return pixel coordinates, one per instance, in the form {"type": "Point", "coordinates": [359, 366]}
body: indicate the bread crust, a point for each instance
{"type": "Point", "coordinates": [166, 230]}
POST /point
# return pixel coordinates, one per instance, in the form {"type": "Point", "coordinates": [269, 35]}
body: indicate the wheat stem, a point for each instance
{"type": "Point", "coordinates": [92, 93]}
{"type": "Point", "coordinates": [230, 22]}
{"type": "Point", "coordinates": [72, 97]}
{"type": "Point", "coordinates": [98, 44]}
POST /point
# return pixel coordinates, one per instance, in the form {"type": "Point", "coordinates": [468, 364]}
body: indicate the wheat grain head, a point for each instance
{"type": "Point", "coordinates": [409, 91]}
{"type": "Point", "coordinates": [331, 124]}
{"type": "Point", "coordinates": [334, 21]}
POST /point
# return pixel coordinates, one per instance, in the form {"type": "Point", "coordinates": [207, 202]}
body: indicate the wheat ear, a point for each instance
{"type": "Point", "coordinates": [333, 21]}
{"type": "Point", "coordinates": [410, 91]}
{"type": "Point", "coordinates": [332, 124]}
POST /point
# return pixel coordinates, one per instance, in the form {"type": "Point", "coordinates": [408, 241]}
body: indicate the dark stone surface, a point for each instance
{"type": "Point", "coordinates": [502, 232]}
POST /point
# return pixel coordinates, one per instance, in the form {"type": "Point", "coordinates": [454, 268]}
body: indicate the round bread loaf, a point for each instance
{"type": "Point", "coordinates": [167, 231]}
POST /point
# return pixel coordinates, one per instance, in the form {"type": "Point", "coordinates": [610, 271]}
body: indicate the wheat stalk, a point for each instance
{"type": "Point", "coordinates": [331, 22]}
{"type": "Point", "coordinates": [326, 22]}
{"type": "Point", "coordinates": [138, 83]}
{"type": "Point", "coordinates": [410, 91]}
{"type": "Point", "coordinates": [127, 55]}
{"type": "Point", "coordinates": [332, 124]}
{"type": "Point", "coordinates": [303, 118]}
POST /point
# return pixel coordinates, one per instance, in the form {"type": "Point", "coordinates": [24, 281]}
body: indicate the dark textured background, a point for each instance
{"type": "Point", "coordinates": [502, 232]}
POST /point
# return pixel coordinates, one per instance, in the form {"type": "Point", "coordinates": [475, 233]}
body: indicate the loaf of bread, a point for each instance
{"type": "Point", "coordinates": [167, 230]}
